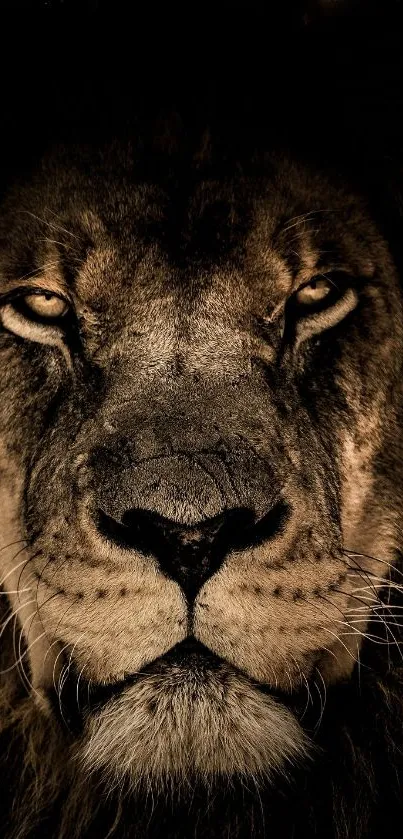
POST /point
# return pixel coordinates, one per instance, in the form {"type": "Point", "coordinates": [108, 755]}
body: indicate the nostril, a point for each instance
{"type": "Point", "coordinates": [111, 529]}
{"type": "Point", "coordinates": [190, 554]}
{"type": "Point", "coordinates": [261, 530]}
{"type": "Point", "coordinates": [136, 530]}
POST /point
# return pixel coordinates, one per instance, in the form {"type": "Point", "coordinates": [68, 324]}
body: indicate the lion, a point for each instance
{"type": "Point", "coordinates": [201, 500]}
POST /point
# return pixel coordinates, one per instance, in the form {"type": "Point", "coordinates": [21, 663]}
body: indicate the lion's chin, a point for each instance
{"type": "Point", "coordinates": [188, 723]}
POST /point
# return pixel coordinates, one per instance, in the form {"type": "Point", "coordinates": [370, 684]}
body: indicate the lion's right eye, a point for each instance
{"type": "Point", "coordinates": [37, 315]}
{"type": "Point", "coordinates": [46, 305]}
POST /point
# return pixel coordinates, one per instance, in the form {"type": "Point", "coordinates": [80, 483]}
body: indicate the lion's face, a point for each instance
{"type": "Point", "coordinates": [198, 387]}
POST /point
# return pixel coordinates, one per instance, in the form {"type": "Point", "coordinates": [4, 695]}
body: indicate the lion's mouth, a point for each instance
{"type": "Point", "coordinates": [77, 699]}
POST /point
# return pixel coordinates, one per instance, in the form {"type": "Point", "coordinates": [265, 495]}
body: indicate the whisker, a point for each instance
{"type": "Point", "coordinates": [382, 584]}
{"type": "Point", "coordinates": [47, 266]}
{"type": "Point", "coordinates": [78, 685]}
{"type": "Point", "coordinates": [22, 654]}
{"type": "Point", "coordinates": [60, 653]}
{"type": "Point", "coordinates": [382, 620]}
{"type": "Point", "coordinates": [30, 559]}
{"type": "Point", "coordinates": [50, 224]}
{"type": "Point", "coordinates": [15, 567]}
{"type": "Point", "coordinates": [337, 638]}
{"type": "Point", "coordinates": [59, 687]}
{"type": "Point", "coordinates": [322, 702]}
{"type": "Point", "coordinates": [12, 615]}
{"type": "Point", "coordinates": [301, 219]}
{"type": "Point", "coordinates": [309, 700]}
{"type": "Point", "coordinates": [10, 545]}
{"type": "Point", "coordinates": [359, 619]}
{"type": "Point", "coordinates": [389, 565]}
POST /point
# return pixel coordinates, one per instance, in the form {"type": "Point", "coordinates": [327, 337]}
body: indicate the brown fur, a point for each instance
{"type": "Point", "coordinates": [187, 385]}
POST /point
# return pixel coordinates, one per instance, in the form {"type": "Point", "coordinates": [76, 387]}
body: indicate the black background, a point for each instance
{"type": "Point", "coordinates": [324, 78]}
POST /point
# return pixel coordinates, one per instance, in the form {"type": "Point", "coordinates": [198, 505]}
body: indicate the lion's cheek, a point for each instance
{"type": "Point", "coordinates": [112, 636]}
{"type": "Point", "coordinates": [273, 624]}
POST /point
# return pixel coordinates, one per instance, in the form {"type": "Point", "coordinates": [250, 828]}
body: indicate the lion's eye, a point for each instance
{"type": "Point", "coordinates": [313, 292]}
{"type": "Point", "coordinates": [37, 315]}
{"type": "Point", "coordinates": [46, 305]}
{"type": "Point", "coordinates": [321, 303]}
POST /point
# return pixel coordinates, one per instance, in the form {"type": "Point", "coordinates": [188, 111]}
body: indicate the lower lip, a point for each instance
{"type": "Point", "coordinates": [190, 656]}
{"type": "Point", "coordinates": [77, 698]}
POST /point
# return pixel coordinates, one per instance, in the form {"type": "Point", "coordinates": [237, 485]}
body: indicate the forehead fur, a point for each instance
{"type": "Point", "coordinates": [150, 239]}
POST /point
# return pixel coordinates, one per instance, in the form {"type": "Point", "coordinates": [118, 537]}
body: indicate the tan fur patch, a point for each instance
{"type": "Point", "coordinates": [178, 724]}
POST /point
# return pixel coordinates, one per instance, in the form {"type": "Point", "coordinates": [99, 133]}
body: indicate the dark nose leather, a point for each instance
{"type": "Point", "coordinates": [190, 554]}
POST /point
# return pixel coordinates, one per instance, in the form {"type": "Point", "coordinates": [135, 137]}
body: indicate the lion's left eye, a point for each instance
{"type": "Point", "coordinates": [321, 303]}
{"type": "Point", "coordinates": [313, 292]}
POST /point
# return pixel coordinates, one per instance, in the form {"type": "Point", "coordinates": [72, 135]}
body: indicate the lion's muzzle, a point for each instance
{"type": "Point", "coordinates": [188, 500]}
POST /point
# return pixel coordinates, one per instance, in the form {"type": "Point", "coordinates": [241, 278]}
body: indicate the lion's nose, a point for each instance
{"type": "Point", "coordinates": [190, 554]}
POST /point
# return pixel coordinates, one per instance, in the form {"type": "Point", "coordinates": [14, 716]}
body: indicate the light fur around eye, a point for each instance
{"type": "Point", "coordinates": [14, 321]}
{"type": "Point", "coordinates": [328, 317]}
{"type": "Point", "coordinates": [321, 303]}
